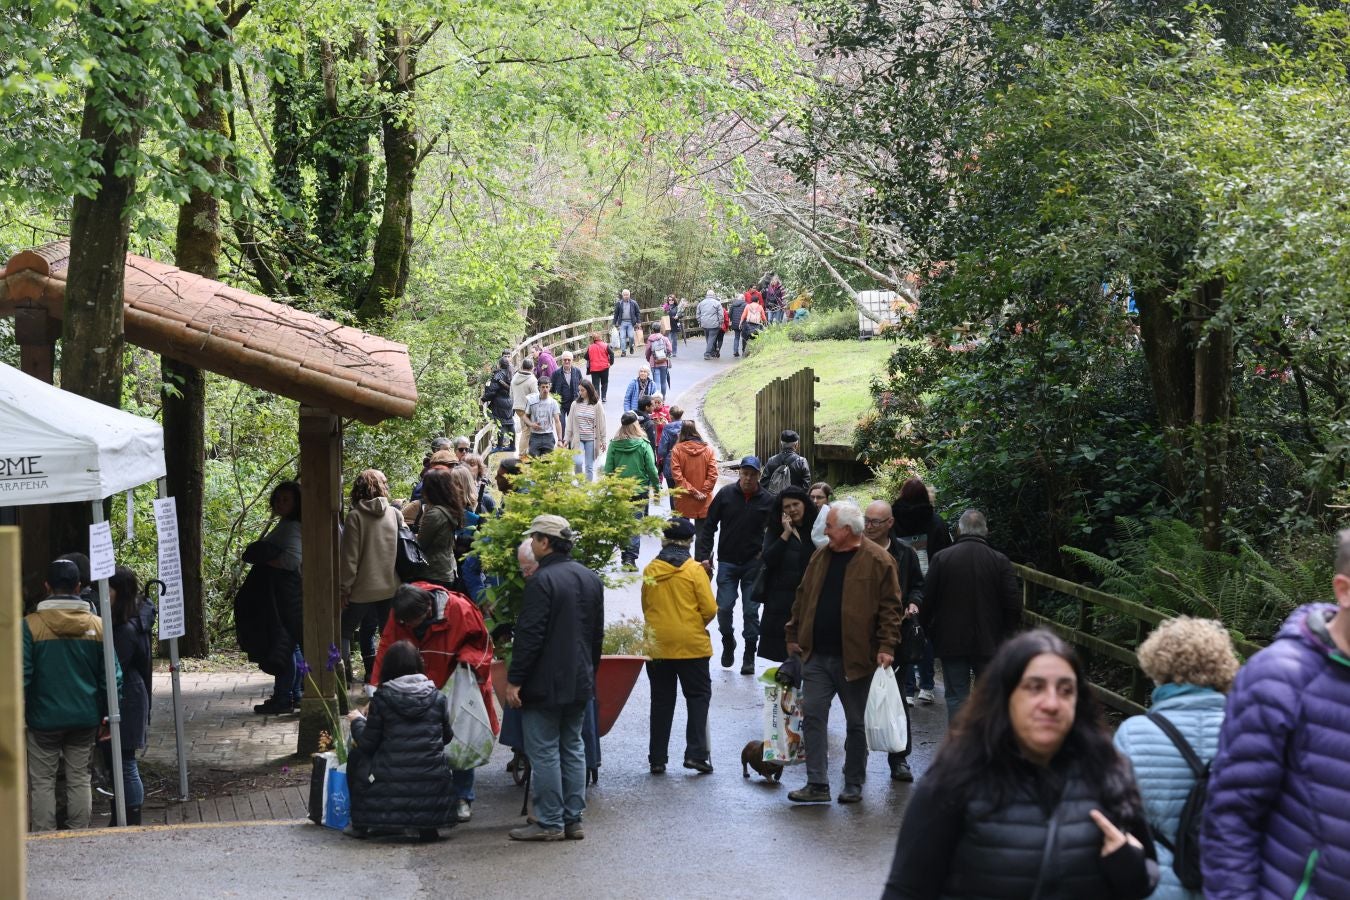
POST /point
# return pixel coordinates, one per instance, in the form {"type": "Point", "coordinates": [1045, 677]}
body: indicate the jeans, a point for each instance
{"type": "Point", "coordinates": [696, 684]}
{"type": "Point", "coordinates": [463, 784]}
{"type": "Point", "coordinates": [923, 671]}
{"type": "Point", "coordinates": [738, 340]}
{"type": "Point", "coordinates": [630, 552]}
{"type": "Point", "coordinates": [131, 773]}
{"type": "Point", "coordinates": [661, 376]}
{"type": "Point", "coordinates": [557, 763]}
{"type": "Point", "coordinates": [46, 749]}
{"type": "Point", "coordinates": [958, 673]}
{"type": "Point", "coordinates": [287, 684]}
{"type": "Point", "coordinates": [587, 463]}
{"type": "Point", "coordinates": [626, 337]}
{"type": "Point", "coordinates": [542, 443]}
{"type": "Point", "coordinates": [710, 338]}
{"type": "Point", "coordinates": [775, 316]}
{"type": "Point", "coordinates": [731, 576]}
{"type": "Point", "coordinates": [822, 679]}
{"type": "Point", "coordinates": [360, 621]}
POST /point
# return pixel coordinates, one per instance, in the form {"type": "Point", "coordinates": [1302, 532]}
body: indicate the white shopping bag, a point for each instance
{"type": "Point", "coordinates": [614, 337]}
{"type": "Point", "coordinates": [887, 729]}
{"type": "Point", "coordinates": [783, 741]}
{"type": "Point", "coordinates": [471, 745]}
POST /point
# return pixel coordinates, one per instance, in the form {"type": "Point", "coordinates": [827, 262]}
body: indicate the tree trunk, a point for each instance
{"type": "Point", "coordinates": [390, 253]}
{"type": "Point", "coordinates": [1213, 409]}
{"type": "Point", "coordinates": [197, 250]}
{"type": "Point", "coordinates": [1171, 369]}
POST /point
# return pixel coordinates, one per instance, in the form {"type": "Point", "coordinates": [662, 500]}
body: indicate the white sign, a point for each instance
{"type": "Point", "coordinates": [102, 562]}
{"type": "Point", "coordinates": [172, 623]}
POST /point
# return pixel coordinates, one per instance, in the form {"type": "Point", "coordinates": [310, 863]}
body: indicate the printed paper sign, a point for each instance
{"type": "Point", "coordinates": [102, 563]}
{"type": "Point", "coordinates": [171, 619]}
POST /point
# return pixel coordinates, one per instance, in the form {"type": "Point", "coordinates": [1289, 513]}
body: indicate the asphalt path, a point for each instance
{"type": "Point", "coordinates": [676, 835]}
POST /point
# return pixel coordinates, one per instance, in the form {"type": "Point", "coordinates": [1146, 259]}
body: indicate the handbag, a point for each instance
{"type": "Point", "coordinates": [409, 561]}
{"type": "Point", "coordinates": [912, 641]}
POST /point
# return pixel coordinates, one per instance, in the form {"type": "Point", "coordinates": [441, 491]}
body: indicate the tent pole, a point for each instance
{"type": "Point", "coordinates": [174, 674]}
{"type": "Point", "coordinates": [110, 676]}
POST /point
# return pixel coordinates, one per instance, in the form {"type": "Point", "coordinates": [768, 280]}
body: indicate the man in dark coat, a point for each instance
{"type": "Point", "coordinates": [971, 605]}
{"type": "Point", "coordinates": [566, 383]}
{"type": "Point", "coordinates": [555, 652]}
{"type": "Point", "coordinates": [798, 469]}
{"type": "Point", "coordinates": [736, 310]}
{"type": "Point", "coordinates": [877, 524]}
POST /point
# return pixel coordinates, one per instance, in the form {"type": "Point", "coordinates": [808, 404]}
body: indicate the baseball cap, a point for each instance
{"type": "Point", "coordinates": [748, 462]}
{"type": "Point", "coordinates": [63, 573]}
{"type": "Point", "coordinates": [553, 526]}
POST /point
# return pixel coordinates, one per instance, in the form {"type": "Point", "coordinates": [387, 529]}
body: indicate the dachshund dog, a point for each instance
{"type": "Point", "coordinates": [752, 757]}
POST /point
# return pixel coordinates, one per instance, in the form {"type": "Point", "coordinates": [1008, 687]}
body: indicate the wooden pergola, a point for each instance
{"type": "Point", "coordinates": [334, 371]}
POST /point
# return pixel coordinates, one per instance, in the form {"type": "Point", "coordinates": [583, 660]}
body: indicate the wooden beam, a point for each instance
{"type": "Point", "coordinates": [320, 513]}
{"type": "Point", "coordinates": [13, 760]}
{"type": "Point", "coordinates": [36, 333]}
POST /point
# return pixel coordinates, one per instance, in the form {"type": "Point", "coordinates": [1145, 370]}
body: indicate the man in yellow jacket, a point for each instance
{"type": "Point", "coordinates": [678, 604]}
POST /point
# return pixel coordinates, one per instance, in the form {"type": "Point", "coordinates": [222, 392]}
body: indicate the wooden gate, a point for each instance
{"type": "Point", "coordinates": [787, 403]}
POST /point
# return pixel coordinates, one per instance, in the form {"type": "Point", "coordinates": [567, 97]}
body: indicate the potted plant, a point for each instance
{"type": "Point", "coordinates": [627, 646]}
{"type": "Point", "coordinates": [600, 511]}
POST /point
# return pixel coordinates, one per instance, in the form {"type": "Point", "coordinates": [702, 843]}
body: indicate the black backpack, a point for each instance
{"type": "Point", "coordinates": [1185, 846]}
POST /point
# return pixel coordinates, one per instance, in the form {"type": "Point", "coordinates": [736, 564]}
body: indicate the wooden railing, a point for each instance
{"type": "Point", "coordinates": [1098, 618]}
{"type": "Point", "coordinates": [573, 336]}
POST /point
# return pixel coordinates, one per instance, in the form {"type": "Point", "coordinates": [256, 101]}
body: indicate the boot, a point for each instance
{"type": "Point", "coordinates": [133, 815]}
{"type": "Point", "coordinates": [728, 652]}
{"type": "Point", "coordinates": [748, 661]}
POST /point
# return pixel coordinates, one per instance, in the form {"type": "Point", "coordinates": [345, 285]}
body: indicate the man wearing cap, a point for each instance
{"type": "Point", "coordinates": [740, 509]}
{"type": "Point", "coordinates": [65, 696]}
{"type": "Point", "coordinates": [678, 604]}
{"type": "Point", "coordinates": [798, 472]}
{"type": "Point", "coordinates": [555, 652]}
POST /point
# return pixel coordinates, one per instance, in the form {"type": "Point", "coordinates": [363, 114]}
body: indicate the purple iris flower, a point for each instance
{"type": "Point", "coordinates": [334, 657]}
{"type": "Point", "coordinates": [301, 667]}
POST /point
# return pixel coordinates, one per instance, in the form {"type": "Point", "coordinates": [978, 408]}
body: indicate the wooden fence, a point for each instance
{"type": "Point", "coordinates": [1107, 630]}
{"type": "Point", "coordinates": [787, 403]}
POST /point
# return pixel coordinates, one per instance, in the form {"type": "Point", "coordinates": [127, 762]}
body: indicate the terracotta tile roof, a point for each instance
{"type": "Point", "coordinates": [243, 336]}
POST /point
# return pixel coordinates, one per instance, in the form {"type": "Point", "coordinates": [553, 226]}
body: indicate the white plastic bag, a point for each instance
{"type": "Point", "coordinates": [783, 741]}
{"type": "Point", "coordinates": [887, 730]}
{"type": "Point", "coordinates": [614, 337]}
{"type": "Point", "coordinates": [471, 745]}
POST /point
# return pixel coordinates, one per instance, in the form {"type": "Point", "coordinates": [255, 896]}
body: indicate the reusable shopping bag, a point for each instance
{"type": "Point", "coordinates": [884, 719]}
{"type": "Point", "coordinates": [783, 741]}
{"type": "Point", "coordinates": [330, 797]}
{"type": "Point", "coordinates": [473, 739]}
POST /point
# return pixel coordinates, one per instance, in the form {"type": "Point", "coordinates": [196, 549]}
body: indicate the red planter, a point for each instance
{"type": "Point", "coordinates": [614, 682]}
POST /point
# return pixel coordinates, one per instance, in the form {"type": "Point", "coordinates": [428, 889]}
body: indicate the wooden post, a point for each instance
{"type": "Point", "coordinates": [320, 510]}
{"type": "Point", "coordinates": [36, 333]}
{"type": "Point", "coordinates": [13, 760]}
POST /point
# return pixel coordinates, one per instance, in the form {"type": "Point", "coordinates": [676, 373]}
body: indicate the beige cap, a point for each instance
{"type": "Point", "coordinates": [553, 526]}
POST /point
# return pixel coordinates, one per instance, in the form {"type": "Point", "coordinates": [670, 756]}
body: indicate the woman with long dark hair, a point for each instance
{"type": "Point", "coordinates": [787, 550]}
{"type": "Point", "coordinates": [275, 581]}
{"type": "Point", "coordinates": [1027, 798]}
{"type": "Point", "coordinates": [133, 618]}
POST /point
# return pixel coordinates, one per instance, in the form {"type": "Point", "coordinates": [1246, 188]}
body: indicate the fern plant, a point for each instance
{"type": "Point", "coordinates": [1163, 565]}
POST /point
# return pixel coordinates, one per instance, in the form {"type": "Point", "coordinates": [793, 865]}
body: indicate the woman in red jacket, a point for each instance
{"type": "Point", "coordinates": [448, 629]}
{"type": "Point", "coordinates": [599, 357]}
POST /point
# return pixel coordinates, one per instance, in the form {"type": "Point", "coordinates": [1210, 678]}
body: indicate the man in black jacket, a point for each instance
{"type": "Point", "coordinates": [740, 509]}
{"type": "Point", "coordinates": [737, 310]}
{"type": "Point", "coordinates": [555, 652]}
{"type": "Point", "coordinates": [971, 605]}
{"type": "Point", "coordinates": [566, 385]}
{"type": "Point", "coordinates": [798, 469]}
{"type": "Point", "coordinates": [877, 524]}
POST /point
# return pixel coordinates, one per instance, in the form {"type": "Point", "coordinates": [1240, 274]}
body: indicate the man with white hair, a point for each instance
{"type": "Point", "coordinates": [709, 315]}
{"type": "Point", "coordinates": [626, 318]}
{"type": "Point", "coordinates": [845, 624]}
{"type": "Point", "coordinates": [971, 605]}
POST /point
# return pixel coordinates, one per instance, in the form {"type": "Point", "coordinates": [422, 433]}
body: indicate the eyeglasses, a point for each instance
{"type": "Point", "coordinates": [461, 449]}
{"type": "Point", "coordinates": [874, 522]}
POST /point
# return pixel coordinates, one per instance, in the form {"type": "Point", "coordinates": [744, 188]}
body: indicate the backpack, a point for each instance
{"type": "Point", "coordinates": [781, 477]}
{"type": "Point", "coordinates": [1185, 845]}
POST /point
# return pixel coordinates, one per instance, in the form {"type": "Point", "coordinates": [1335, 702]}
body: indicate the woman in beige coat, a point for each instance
{"type": "Point", "coordinates": [367, 579]}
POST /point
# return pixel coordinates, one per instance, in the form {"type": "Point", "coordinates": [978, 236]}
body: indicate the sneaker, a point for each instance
{"type": "Point", "coordinates": [463, 811]}
{"type": "Point", "coordinates": [574, 832]}
{"type": "Point", "coordinates": [910, 700]}
{"type": "Point", "coordinates": [901, 772]}
{"type": "Point", "coordinates": [812, 793]}
{"type": "Point", "coordinates": [851, 793]}
{"type": "Point", "coordinates": [701, 766]}
{"type": "Point", "coordinates": [926, 696]}
{"type": "Point", "coordinates": [535, 833]}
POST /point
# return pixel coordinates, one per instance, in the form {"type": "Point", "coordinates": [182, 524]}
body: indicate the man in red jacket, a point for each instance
{"type": "Point", "coordinates": [448, 628]}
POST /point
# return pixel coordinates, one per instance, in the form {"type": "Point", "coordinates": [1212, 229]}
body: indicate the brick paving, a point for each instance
{"type": "Point", "coordinates": [221, 729]}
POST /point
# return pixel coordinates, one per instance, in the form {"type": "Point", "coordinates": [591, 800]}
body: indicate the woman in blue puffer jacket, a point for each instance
{"type": "Point", "coordinates": [1193, 665]}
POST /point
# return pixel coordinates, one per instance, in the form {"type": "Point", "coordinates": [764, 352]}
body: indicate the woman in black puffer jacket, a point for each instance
{"type": "Point", "coordinates": [1027, 798]}
{"type": "Point", "coordinates": [397, 770]}
{"type": "Point", "coordinates": [787, 550]}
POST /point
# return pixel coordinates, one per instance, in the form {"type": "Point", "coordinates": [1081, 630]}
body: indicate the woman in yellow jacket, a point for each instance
{"type": "Point", "coordinates": [678, 604]}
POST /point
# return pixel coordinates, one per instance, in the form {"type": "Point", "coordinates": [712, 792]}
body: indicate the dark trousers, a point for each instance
{"type": "Point", "coordinates": [696, 685]}
{"type": "Point", "coordinates": [361, 621]}
{"type": "Point", "coordinates": [600, 380]}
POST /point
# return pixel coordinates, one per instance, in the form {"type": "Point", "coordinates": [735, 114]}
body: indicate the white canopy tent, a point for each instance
{"type": "Point", "coordinates": [59, 447]}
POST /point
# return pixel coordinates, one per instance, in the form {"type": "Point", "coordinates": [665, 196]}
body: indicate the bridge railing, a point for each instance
{"type": "Point", "coordinates": [1107, 630]}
